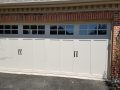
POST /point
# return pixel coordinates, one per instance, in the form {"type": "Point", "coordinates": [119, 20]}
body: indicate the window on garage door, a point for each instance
{"type": "Point", "coordinates": [8, 29]}
{"type": "Point", "coordinates": [61, 29]}
{"type": "Point", "coordinates": [93, 29]}
{"type": "Point", "coordinates": [34, 29]}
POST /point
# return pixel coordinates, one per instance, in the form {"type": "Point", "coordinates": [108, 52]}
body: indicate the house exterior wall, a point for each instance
{"type": "Point", "coordinates": [111, 15]}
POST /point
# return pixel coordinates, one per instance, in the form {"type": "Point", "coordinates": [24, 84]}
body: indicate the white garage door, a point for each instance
{"type": "Point", "coordinates": [72, 49]}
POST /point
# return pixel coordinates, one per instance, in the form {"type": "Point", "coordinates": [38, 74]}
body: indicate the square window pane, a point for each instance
{"type": "Point", "coordinates": [92, 32]}
{"type": "Point", "coordinates": [26, 32]}
{"type": "Point", "coordinates": [41, 32]}
{"type": "Point", "coordinates": [84, 26]}
{"type": "Point", "coordinates": [7, 31]}
{"type": "Point", "coordinates": [83, 32]}
{"type": "Point", "coordinates": [34, 31]}
{"type": "Point", "coordinates": [69, 32]}
{"type": "Point", "coordinates": [1, 32]}
{"type": "Point", "coordinates": [53, 32]}
{"type": "Point", "coordinates": [14, 26]}
{"type": "Point", "coordinates": [102, 26]}
{"type": "Point", "coordinates": [102, 32]}
{"type": "Point", "coordinates": [41, 27]}
{"type": "Point", "coordinates": [33, 26]}
{"type": "Point", "coordinates": [25, 26]}
{"type": "Point", "coordinates": [53, 27]}
{"type": "Point", "coordinates": [61, 32]}
{"type": "Point", "coordinates": [1, 26]}
{"type": "Point", "coordinates": [14, 31]}
{"type": "Point", "coordinates": [7, 27]}
{"type": "Point", "coordinates": [92, 26]}
{"type": "Point", "coordinates": [61, 27]}
{"type": "Point", "coordinates": [69, 29]}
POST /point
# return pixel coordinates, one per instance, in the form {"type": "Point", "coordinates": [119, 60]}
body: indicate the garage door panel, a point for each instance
{"type": "Point", "coordinates": [99, 56]}
{"type": "Point", "coordinates": [4, 53]}
{"type": "Point", "coordinates": [53, 55]}
{"type": "Point", "coordinates": [39, 54]}
{"type": "Point", "coordinates": [26, 59]}
{"type": "Point", "coordinates": [82, 62]}
{"type": "Point", "coordinates": [67, 55]}
{"type": "Point", "coordinates": [3, 49]}
{"type": "Point", "coordinates": [9, 53]}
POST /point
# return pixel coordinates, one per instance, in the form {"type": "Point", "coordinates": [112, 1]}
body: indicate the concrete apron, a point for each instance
{"type": "Point", "coordinates": [32, 82]}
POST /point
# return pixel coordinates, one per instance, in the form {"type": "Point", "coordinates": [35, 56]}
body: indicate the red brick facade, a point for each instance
{"type": "Point", "coordinates": [56, 17]}
{"type": "Point", "coordinates": [116, 29]}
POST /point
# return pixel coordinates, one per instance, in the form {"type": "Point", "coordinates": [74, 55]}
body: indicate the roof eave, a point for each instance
{"type": "Point", "coordinates": [58, 2]}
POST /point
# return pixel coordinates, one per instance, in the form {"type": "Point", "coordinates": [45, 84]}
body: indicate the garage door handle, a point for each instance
{"type": "Point", "coordinates": [19, 51]}
{"type": "Point", "coordinates": [75, 53]}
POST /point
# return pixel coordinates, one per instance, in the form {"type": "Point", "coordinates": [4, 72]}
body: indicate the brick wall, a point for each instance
{"type": "Point", "coordinates": [116, 29]}
{"type": "Point", "coordinates": [56, 17]}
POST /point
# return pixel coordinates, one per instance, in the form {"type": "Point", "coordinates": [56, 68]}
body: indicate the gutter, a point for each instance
{"type": "Point", "coordinates": [44, 3]}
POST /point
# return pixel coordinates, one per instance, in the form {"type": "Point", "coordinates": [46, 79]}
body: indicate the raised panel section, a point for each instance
{"type": "Point", "coordinates": [27, 57]}
{"type": "Point", "coordinates": [9, 53]}
{"type": "Point", "coordinates": [40, 54]}
{"type": "Point", "coordinates": [53, 54]}
{"type": "Point", "coordinates": [67, 55]}
{"type": "Point", "coordinates": [82, 62]}
{"type": "Point", "coordinates": [99, 57]}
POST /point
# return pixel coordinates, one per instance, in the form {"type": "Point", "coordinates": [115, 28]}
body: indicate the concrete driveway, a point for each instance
{"type": "Point", "coordinates": [30, 82]}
